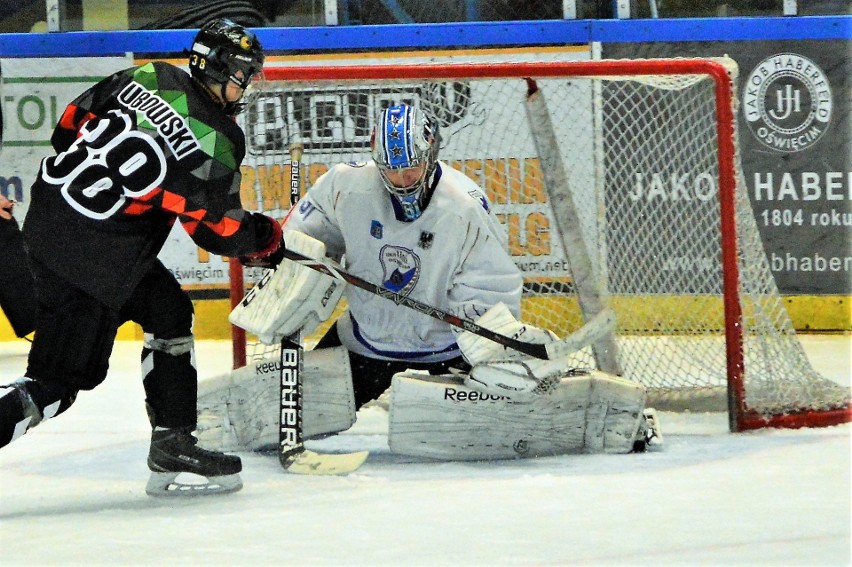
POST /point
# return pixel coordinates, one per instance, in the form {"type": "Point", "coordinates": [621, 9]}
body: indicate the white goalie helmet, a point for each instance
{"type": "Point", "coordinates": [405, 146]}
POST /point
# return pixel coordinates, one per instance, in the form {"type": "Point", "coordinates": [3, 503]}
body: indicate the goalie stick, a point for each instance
{"type": "Point", "coordinates": [593, 330]}
{"type": "Point", "coordinates": [292, 454]}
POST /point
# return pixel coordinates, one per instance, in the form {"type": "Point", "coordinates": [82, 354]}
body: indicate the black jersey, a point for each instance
{"type": "Point", "coordinates": [135, 152]}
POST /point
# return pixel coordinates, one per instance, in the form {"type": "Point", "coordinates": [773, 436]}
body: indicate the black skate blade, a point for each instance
{"type": "Point", "coordinates": [309, 462]}
{"type": "Point", "coordinates": [166, 484]}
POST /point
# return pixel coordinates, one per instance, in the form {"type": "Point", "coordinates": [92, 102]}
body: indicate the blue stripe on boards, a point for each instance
{"type": "Point", "coordinates": [437, 36]}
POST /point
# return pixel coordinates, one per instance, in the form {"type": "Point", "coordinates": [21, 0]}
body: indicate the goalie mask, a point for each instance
{"type": "Point", "coordinates": [405, 148]}
{"type": "Point", "coordinates": [224, 52]}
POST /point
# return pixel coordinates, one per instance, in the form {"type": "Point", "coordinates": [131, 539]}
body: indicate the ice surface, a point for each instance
{"type": "Point", "coordinates": [72, 493]}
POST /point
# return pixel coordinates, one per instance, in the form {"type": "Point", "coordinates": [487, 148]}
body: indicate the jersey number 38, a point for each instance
{"type": "Point", "coordinates": [108, 163]}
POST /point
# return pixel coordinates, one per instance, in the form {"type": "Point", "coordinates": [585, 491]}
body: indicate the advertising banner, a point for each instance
{"type": "Point", "coordinates": [797, 156]}
{"type": "Point", "coordinates": [795, 140]}
{"type": "Point", "coordinates": [37, 91]}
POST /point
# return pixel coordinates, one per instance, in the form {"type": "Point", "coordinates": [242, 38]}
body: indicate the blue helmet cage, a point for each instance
{"type": "Point", "coordinates": [405, 137]}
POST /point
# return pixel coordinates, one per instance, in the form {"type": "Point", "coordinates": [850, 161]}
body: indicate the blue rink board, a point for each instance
{"type": "Point", "coordinates": [414, 36]}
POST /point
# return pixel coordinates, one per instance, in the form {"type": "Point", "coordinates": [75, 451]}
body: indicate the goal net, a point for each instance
{"type": "Point", "coordinates": [618, 184]}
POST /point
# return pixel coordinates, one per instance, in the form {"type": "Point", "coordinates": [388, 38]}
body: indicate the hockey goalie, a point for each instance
{"type": "Point", "coordinates": [499, 404]}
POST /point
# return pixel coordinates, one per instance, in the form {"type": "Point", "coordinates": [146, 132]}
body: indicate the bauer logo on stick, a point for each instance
{"type": "Point", "coordinates": [290, 418]}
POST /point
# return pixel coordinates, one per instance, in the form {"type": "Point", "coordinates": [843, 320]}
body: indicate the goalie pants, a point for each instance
{"type": "Point", "coordinates": [372, 376]}
{"type": "Point", "coordinates": [75, 334]}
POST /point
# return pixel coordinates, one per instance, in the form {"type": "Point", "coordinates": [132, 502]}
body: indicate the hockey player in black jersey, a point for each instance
{"type": "Point", "coordinates": [134, 153]}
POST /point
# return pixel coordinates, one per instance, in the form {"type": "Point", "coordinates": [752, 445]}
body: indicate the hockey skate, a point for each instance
{"type": "Point", "coordinates": [649, 437]}
{"type": "Point", "coordinates": [175, 452]}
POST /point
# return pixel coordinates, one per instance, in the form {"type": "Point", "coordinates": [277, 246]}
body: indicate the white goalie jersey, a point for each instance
{"type": "Point", "coordinates": [453, 258]}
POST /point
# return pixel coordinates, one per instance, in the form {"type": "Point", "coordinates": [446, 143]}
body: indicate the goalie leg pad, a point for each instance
{"type": "Point", "coordinates": [614, 414]}
{"type": "Point", "coordinates": [439, 417]}
{"type": "Point", "coordinates": [240, 411]}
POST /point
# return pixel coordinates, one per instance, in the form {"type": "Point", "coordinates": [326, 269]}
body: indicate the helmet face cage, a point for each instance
{"type": "Point", "coordinates": [221, 50]}
{"type": "Point", "coordinates": [404, 137]}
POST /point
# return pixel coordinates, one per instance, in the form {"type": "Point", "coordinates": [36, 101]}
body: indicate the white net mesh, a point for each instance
{"type": "Point", "coordinates": [641, 158]}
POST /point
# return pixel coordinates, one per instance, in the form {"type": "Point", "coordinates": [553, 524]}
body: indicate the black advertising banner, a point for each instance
{"type": "Point", "coordinates": [795, 134]}
{"type": "Point", "coordinates": [795, 139]}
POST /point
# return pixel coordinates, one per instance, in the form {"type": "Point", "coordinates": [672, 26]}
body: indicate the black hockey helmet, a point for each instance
{"type": "Point", "coordinates": [222, 48]}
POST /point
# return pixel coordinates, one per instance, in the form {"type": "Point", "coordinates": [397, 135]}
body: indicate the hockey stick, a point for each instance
{"type": "Point", "coordinates": [292, 454]}
{"type": "Point", "coordinates": [595, 328]}
{"type": "Point", "coordinates": [591, 295]}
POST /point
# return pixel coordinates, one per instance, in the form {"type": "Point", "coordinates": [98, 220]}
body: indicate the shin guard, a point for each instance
{"type": "Point", "coordinates": [170, 379]}
{"type": "Point", "coordinates": [25, 403]}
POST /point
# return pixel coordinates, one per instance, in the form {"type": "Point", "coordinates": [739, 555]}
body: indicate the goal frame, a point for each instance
{"type": "Point", "coordinates": [740, 418]}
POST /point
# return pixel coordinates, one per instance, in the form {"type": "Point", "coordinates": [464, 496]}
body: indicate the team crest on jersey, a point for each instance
{"type": "Point", "coordinates": [376, 230]}
{"type": "Point", "coordinates": [306, 207]}
{"type": "Point", "coordinates": [401, 268]}
{"type": "Point", "coordinates": [426, 239]}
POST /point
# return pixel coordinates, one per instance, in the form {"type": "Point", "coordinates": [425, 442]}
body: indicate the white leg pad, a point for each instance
{"type": "Point", "coordinates": [439, 417]}
{"type": "Point", "coordinates": [239, 411]}
{"type": "Point", "coordinates": [614, 414]}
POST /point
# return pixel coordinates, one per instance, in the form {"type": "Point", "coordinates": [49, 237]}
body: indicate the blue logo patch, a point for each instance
{"type": "Point", "coordinates": [376, 230]}
{"type": "Point", "coordinates": [306, 208]}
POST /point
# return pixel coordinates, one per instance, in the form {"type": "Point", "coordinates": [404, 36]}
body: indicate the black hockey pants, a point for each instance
{"type": "Point", "coordinates": [75, 335]}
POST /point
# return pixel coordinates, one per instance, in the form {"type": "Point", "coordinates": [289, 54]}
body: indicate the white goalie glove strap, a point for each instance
{"type": "Point", "coordinates": [291, 298]}
{"type": "Point", "coordinates": [499, 319]}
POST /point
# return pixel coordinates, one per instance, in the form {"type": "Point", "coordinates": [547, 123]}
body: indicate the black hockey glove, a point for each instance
{"type": "Point", "coordinates": [272, 249]}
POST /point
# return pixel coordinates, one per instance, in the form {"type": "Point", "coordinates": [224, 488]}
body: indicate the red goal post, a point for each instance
{"type": "Point", "coordinates": [651, 171]}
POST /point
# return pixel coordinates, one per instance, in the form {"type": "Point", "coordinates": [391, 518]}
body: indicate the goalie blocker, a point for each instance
{"type": "Point", "coordinates": [292, 298]}
{"type": "Point", "coordinates": [584, 412]}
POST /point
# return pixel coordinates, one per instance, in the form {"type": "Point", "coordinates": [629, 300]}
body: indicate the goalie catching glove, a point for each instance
{"type": "Point", "coordinates": [502, 371]}
{"type": "Point", "coordinates": [291, 298]}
